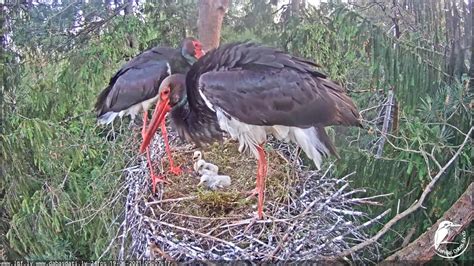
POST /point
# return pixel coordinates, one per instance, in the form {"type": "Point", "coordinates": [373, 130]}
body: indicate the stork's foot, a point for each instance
{"type": "Point", "coordinates": [157, 179]}
{"type": "Point", "coordinates": [176, 170]}
{"type": "Point", "coordinates": [258, 216]}
{"type": "Point", "coordinates": [251, 193]}
{"type": "Point", "coordinates": [188, 170]}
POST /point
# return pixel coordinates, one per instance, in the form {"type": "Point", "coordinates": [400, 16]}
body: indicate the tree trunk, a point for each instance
{"type": "Point", "coordinates": [458, 68]}
{"type": "Point", "coordinates": [109, 6]}
{"type": "Point", "coordinates": [295, 8]}
{"type": "Point", "coordinates": [396, 26]}
{"type": "Point", "coordinates": [129, 7]}
{"type": "Point", "coordinates": [471, 64]}
{"type": "Point", "coordinates": [132, 38]}
{"type": "Point", "coordinates": [211, 15]}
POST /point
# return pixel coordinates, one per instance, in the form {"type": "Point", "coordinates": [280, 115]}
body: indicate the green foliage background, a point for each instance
{"type": "Point", "coordinates": [61, 174]}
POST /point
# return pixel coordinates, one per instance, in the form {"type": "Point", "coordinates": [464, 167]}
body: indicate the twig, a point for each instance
{"type": "Point", "coordinates": [252, 220]}
{"type": "Point", "coordinates": [196, 233]}
{"type": "Point", "coordinates": [386, 123]}
{"type": "Point", "coordinates": [359, 227]}
{"type": "Point", "coordinates": [201, 217]}
{"type": "Point", "coordinates": [368, 198]}
{"type": "Point", "coordinates": [170, 200]}
{"type": "Point", "coordinates": [111, 243]}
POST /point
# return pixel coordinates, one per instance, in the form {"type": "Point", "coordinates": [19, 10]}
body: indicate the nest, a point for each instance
{"type": "Point", "coordinates": [308, 214]}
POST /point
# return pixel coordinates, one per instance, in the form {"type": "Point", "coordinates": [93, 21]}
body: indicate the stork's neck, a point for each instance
{"type": "Point", "coordinates": [181, 109]}
{"type": "Point", "coordinates": [178, 63]}
{"type": "Point", "coordinates": [195, 124]}
{"type": "Point", "coordinates": [180, 118]}
{"type": "Point", "coordinates": [189, 58]}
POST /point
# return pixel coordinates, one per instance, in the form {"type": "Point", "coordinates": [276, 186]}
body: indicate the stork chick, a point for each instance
{"type": "Point", "coordinates": [215, 181]}
{"type": "Point", "coordinates": [201, 166]}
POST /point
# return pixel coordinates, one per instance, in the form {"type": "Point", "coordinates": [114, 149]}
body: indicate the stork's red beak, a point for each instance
{"type": "Point", "coordinates": [198, 52]}
{"type": "Point", "coordinates": [162, 108]}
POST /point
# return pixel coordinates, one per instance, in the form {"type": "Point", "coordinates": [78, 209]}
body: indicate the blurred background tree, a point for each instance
{"type": "Point", "coordinates": [407, 62]}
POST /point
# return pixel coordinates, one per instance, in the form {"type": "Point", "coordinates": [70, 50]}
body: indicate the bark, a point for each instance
{"type": "Point", "coordinates": [471, 65]}
{"type": "Point", "coordinates": [295, 8]}
{"type": "Point", "coordinates": [129, 7]}
{"type": "Point", "coordinates": [422, 248]}
{"type": "Point", "coordinates": [132, 38]}
{"type": "Point", "coordinates": [449, 38]}
{"type": "Point", "coordinates": [211, 15]}
{"type": "Point", "coordinates": [458, 68]}
{"type": "Point", "coordinates": [4, 60]}
{"type": "Point", "coordinates": [395, 19]}
{"type": "Point", "coordinates": [108, 6]}
{"type": "Point", "coordinates": [455, 57]}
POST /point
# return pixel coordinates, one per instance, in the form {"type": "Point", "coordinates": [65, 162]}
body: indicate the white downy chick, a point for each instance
{"type": "Point", "coordinates": [203, 167]}
{"type": "Point", "coordinates": [215, 181]}
{"type": "Point", "coordinates": [200, 166]}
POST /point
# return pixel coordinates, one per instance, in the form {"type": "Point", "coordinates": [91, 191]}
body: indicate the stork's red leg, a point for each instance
{"type": "Point", "coordinates": [173, 169]}
{"type": "Point", "coordinates": [261, 174]}
{"type": "Point", "coordinates": [154, 178]}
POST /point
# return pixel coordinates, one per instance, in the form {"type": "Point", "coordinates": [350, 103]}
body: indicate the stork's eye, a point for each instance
{"type": "Point", "coordinates": [165, 93]}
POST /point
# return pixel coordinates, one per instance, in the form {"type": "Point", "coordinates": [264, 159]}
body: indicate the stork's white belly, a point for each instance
{"type": "Point", "coordinates": [250, 136]}
{"type": "Point", "coordinates": [132, 111]}
{"type": "Point", "coordinates": [139, 107]}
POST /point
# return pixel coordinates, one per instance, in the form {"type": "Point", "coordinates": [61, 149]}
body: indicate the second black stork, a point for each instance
{"type": "Point", "coordinates": [250, 91]}
{"type": "Point", "coordinates": [134, 87]}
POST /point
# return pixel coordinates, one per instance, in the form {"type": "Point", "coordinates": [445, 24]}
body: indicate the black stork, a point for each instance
{"type": "Point", "coordinates": [134, 87]}
{"type": "Point", "coordinates": [250, 91]}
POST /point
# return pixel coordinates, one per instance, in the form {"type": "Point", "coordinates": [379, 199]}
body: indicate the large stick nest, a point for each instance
{"type": "Point", "coordinates": [308, 214]}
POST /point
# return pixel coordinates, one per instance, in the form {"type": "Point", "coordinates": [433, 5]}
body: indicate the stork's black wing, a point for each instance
{"type": "Point", "coordinates": [137, 85]}
{"type": "Point", "coordinates": [151, 55]}
{"type": "Point", "coordinates": [263, 86]}
{"type": "Point", "coordinates": [136, 81]}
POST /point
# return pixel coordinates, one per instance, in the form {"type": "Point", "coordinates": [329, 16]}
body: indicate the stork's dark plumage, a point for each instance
{"type": "Point", "coordinates": [250, 91]}
{"type": "Point", "coordinates": [134, 87]}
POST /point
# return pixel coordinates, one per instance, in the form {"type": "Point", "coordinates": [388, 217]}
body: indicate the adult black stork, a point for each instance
{"type": "Point", "coordinates": [250, 91]}
{"type": "Point", "coordinates": [134, 87]}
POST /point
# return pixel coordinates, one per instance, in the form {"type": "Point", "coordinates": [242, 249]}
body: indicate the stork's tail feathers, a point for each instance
{"type": "Point", "coordinates": [314, 141]}
{"type": "Point", "coordinates": [107, 118]}
{"type": "Point", "coordinates": [326, 141]}
{"type": "Point", "coordinates": [100, 105]}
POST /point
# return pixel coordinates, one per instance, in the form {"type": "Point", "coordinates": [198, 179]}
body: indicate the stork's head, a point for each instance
{"type": "Point", "coordinates": [171, 94]}
{"type": "Point", "coordinates": [197, 156]}
{"type": "Point", "coordinates": [200, 165]}
{"type": "Point", "coordinates": [173, 90]}
{"type": "Point", "coordinates": [191, 49]}
{"type": "Point", "coordinates": [204, 179]}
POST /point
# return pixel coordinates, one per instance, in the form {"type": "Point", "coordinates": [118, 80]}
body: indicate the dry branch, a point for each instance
{"type": "Point", "coordinates": [386, 122]}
